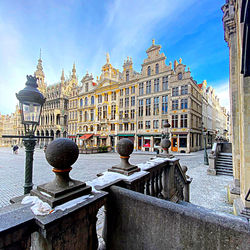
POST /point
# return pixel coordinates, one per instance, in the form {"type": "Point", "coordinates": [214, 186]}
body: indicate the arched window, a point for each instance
{"type": "Point", "coordinates": [157, 68]}
{"type": "Point", "coordinates": [86, 87]}
{"type": "Point", "coordinates": [92, 100]}
{"type": "Point", "coordinates": [127, 76]}
{"type": "Point", "coordinates": [86, 116]}
{"type": "Point", "coordinates": [98, 127]}
{"type": "Point", "coordinates": [180, 76]}
{"type": "Point", "coordinates": [81, 103]}
{"type": "Point", "coordinates": [86, 101]}
{"type": "Point", "coordinates": [149, 70]}
{"type": "Point", "coordinates": [91, 128]}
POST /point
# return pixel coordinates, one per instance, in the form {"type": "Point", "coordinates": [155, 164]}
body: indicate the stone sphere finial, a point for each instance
{"type": "Point", "coordinates": [125, 147]}
{"type": "Point", "coordinates": [62, 153]}
{"type": "Point", "coordinates": [165, 143]}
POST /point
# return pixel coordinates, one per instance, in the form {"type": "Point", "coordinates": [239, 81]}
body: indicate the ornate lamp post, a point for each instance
{"type": "Point", "coordinates": [165, 142]}
{"type": "Point", "coordinates": [204, 132]}
{"type": "Point", "coordinates": [31, 102]}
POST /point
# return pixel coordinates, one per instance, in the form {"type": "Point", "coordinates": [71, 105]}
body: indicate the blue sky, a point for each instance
{"type": "Point", "coordinates": [83, 31]}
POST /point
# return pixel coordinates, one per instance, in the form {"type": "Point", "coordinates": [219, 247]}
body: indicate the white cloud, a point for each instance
{"type": "Point", "coordinates": [222, 91]}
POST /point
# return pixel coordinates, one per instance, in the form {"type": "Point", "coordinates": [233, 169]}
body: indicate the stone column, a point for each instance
{"type": "Point", "coordinates": [231, 39]}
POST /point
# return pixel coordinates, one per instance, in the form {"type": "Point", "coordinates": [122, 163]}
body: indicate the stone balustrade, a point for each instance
{"type": "Point", "coordinates": [125, 192]}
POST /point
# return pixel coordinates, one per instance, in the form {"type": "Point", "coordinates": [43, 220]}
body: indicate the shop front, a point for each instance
{"type": "Point", "coordinates": [179, 142]}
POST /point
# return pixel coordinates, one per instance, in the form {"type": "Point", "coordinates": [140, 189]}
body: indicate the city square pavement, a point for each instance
{"type": "Point", "coordinates": [207, 191]}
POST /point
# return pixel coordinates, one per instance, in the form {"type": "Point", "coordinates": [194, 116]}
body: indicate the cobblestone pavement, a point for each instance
{"type": "Point", "coordinates": [208, 191]}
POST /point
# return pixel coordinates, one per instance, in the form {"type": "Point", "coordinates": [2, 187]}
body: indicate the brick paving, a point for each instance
{"type": "Point", "coordinates": [208, 191]}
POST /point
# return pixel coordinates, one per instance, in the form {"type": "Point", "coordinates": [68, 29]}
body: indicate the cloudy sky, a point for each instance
{"type": "Point", "coordinates": [83, 31]}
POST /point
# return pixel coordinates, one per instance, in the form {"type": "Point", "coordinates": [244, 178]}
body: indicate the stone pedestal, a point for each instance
{"type": "Point", "coordinates": [240, 209]}
{"type": "Point", "coordinates": [233, 191]}
{"type": "Point", "coordinates": [212, 165]}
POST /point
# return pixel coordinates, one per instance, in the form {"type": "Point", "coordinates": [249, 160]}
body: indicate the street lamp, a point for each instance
{"type": "Point", "coordinates": [204, 132]}
{"type": "Point", "coordinates": [31, 101]}
{"type": "Point", "coordinates": [165, 142]}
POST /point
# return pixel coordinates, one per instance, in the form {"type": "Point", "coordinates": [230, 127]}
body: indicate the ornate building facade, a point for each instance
{"type": "Point", "coordinates": [128, 104]}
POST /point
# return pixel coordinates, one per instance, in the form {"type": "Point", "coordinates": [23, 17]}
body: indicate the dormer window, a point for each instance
{"type": "Point", "coordinates": [149, 70]}
{"type": "Point", "coordinates": [86, 87]}
{"type": "Point", "coordinates": [157, 68]}
{"type": "Point", "coordinates": [180, 76]}
{"type": "Point", "coordinates": [127, 76]}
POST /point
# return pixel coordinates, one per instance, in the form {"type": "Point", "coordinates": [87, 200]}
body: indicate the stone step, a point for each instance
{"type": "Point", "coordinates": [224, 157]}
{"type": "Point", "coordinates": [224, 173]}
{"type": "Point", "coordinates": [226, 154]}
{"type": "Point", "coordinates": [225, 169]}
{"type": "Point", "coordinates": [224, 166]}
{"type": "Point", "coordinates": [224, 162]}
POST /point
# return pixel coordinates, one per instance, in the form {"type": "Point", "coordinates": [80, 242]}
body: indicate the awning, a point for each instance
{"type": "Point", "coordinates": [71, 136]}
{"type": "Point", "coordinates": [103, 137]}
{"type": "Point", "coordinates": [86, 136]}
{"type": "Point", "coordinates": [126, 135]}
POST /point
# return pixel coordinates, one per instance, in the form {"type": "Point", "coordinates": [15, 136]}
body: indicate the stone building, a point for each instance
{"type": "Point", "coordinates": [236, 21]}
{"type": "Point", "coordinates": [128, 104]}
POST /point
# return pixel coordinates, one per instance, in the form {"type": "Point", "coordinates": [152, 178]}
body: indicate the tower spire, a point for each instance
{"type": "Point", "coordinates": [62, 76]}
{"type": "Point", "coordinates": [74, 71]}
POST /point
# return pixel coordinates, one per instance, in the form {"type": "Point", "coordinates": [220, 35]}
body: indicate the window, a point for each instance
{"type": "Point", "coordinates": [141, 88]}
{"type": "Point", "coordinates": [184, 103]}
{"type": "Point", "coordinates": [149, 70]}
{"type": "Point", "coordinates": [184, 89]}
{"type": "Point", "coordinates": [132, 100]}
{"type": "Point", "coordinates": [120, 127]}
{"type": "Point", "coordinates": [121, 103]}
{"type": "Point", "coordinates": [156, 105]}
{"type": "Point", "coordinates": [113, 111]}
{"type": "Point", "coordinates": [184, 121]}
{"type": "Point", "coordinates": [113, 96]}
{"type": "Point", "coordinates": [112, 127]}
{"type": "Point", "coordinates": [147, 124]}
{"type": "Point", "coordinates": [175, 91]}
{"type": "Point", "coordinates": [126, 101]}
{"type": "Point", "coordinates": [99, 98]}
{"type": "Point", "coordinates": [183, 141]}
{"type": "Point", "coordinates": [99, 113]}
{"type": "Point", "coordinates": [132, 114]}
{"type": "Point", "coordinates": [86, 101]}
{"type": "Point", "coordinates": [127, 91]}
{"type": "Point", "coordinates": [174, 104]}
{"type": "Point", "coordinates": [120, 114]}
{"type": "Point", "coordinates": [121, 92]}
{"type": "Point", "coordinates": [132, 89]}
{"type": "Point", "coordinates": [104, 113]}
{"type": "Point", "coordinates": [148, 87]}
{"type": "Point", "coordinates": [132, 126]}
{"type": "Point", "coordinates": [148, 106]}
{"type": "Point", "coordinates": [141, 107]}
{"type": "Point", "coordinates": [157, 68]}
{"type": "Point", "coordinates": [80, 116]}
{"type": "Point", "coordinates": [86, 87]}
{"type": "Point", "coordinates": [140, 125]}
{"type": "Point", "coordinates": [98, 127]}
{"type": "Point", "coordinates": [92, 100]}
{"type": "Point", "coordinates": [163, 122]}
{"type": "Point", "coordinates": [106, 97]}
{"type": "Point", "coordinates": [92, 114]}
{"type": "Point", "coordinates": [156, 85]}
{"type": "Point", "coordinates": [81, 103]}
{"type": "Point", "coordinates": [127, 76]}
{"type": "Point", "coordinates": [126, 114]}
{"type": "Point", "coordinates": [164, 83]}
{"type": "Point", "coordinates": [174, 121]}
{"type": "Point", "coordinates": [180, 76]}
{"type": "Point", "coordinates": [164, 104]}
{"type": "Point", "coordinates": [126, 127]}
{"type": "Point", "coordinates": [86, 117]}
{"type": "Point", "coordinates": [155, 124]}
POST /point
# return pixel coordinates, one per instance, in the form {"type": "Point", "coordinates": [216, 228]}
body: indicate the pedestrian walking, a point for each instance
{"type": "Point", "coordinates": [15, 149]}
